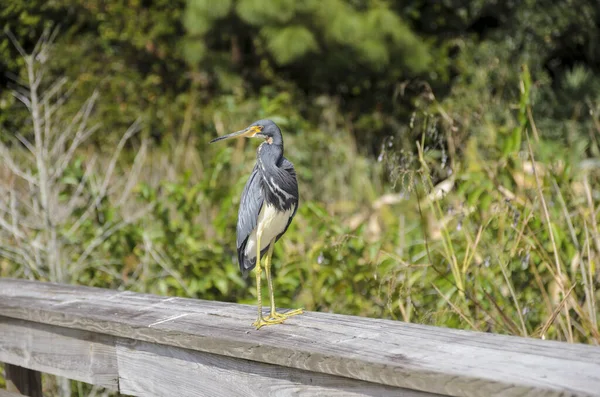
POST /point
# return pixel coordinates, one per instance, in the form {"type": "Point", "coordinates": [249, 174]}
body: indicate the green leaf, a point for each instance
{"type": "Point", "coordinates": [70, 180]}
{"type": "Point", "coordinates": [209, 9]}
{"type": "Point", "coordinates": [290, 43]}
{"type": "Point", "coordinates": [222, 285]}
{"type": "Point", "coordinates": [196, 24]}
{"type": "Point", "coordinates": [193, 51]}
{"type": "Point", "coordinates": [375, 53]}
{"type": "Point", "coordinates": [264, 13]}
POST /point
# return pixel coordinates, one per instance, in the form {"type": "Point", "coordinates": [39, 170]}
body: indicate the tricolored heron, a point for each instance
{"type": "Point", "coordinates": [268, 205]}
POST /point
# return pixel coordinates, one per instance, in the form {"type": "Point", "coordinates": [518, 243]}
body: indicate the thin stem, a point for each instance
{"type": "Point", "coordinates": [559, 273]}
{"type": "Point", "coordinates": [42, 169]}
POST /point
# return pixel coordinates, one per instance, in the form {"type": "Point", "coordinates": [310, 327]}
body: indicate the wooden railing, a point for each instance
{"type": "Point", "coordinates": [147, 345]}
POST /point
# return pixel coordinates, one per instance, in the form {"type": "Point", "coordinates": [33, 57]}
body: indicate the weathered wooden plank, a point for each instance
{"type": "Point", "coordinates": [23, 380]}
{"type": "Point", "coordinates": [71, 353]}
{"type": "Point", "coordinates": [432, 359]}
{"type": "Point", "coordinates": [6, 393]}
{"type": "Point", "coordinates": [157, 370]}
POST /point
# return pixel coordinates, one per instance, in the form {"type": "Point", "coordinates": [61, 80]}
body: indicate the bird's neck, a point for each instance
{"type": "Point", "coordinates": [278, 186]}
{"type": "Point", "coordinates": [270, 154]}
{"type": "Point", "coordinates": [277, 139]}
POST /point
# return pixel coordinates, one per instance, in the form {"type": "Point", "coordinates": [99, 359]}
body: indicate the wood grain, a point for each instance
{"type": "Point", "coordinates": [71, 353]}
{"type": "Point", "coordinates": [157, 370]}
{"type": "Point", "coordinates": [6, 393]}
{"type": "Point", "coordinates": [23, 380]}
{"type": "Point", "coordinates": [431, 359]}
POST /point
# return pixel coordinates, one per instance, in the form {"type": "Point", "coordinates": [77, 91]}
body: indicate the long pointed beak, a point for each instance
{"type": "Point", "coordinates": [246, 132]}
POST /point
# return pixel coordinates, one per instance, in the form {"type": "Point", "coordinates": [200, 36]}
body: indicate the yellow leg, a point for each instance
{"type": "Point", "coordinates": [269, 280]}
{"type": "Point", "coordinates": [261, 320]}
{"type": "Point", "coordinates": [274, 315]}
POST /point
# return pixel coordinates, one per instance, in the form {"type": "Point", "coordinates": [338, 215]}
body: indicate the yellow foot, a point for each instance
{"type": "Point", "coordinates": [275, 316]}
{"type": "Point", "coordinates": [261, 321]}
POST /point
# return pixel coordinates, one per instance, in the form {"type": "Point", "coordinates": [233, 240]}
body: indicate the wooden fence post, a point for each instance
{"type": "Point", "coordinates": [22, 380]}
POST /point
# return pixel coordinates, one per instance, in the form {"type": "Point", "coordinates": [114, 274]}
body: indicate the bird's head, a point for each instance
{"type": "Point", "coordinates": [265, 129]}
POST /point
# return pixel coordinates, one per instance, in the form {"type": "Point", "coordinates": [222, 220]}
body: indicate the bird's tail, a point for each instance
{"type": "Point", "coordinates": [248, 263]}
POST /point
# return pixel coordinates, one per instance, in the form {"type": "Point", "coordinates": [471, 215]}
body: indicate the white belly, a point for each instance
{"type": "Point", "coordinates": [270, 224]}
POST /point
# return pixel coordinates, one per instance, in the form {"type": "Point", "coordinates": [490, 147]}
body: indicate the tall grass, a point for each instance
{"type": "Point", "coordinates": [518, 256]}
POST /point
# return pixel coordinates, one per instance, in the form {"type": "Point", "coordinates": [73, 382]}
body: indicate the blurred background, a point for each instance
{"type": "Point", "coordinates": [447, 153]}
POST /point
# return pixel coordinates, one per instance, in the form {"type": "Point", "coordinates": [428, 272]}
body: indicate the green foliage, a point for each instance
{"type": "Point", "coordinates": [324, 41]}
{"type": "Point", "coordinates": [289, 43]}
{"type": "Point", "coordinates": [447, 151]}
{"type": "Point", "coordinates": [261, 13]}
{"type": "Point", "coordinates": [373, 57]}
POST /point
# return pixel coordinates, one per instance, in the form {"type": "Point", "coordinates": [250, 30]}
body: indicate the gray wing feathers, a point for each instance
{"type": "Point", "coordinates": [289, 167]}
{"type": "Point", "coordinates": [250, 205]}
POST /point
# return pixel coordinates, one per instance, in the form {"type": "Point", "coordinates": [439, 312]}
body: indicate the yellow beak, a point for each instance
{"type": "Point", "coordinates": [246, 132]}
